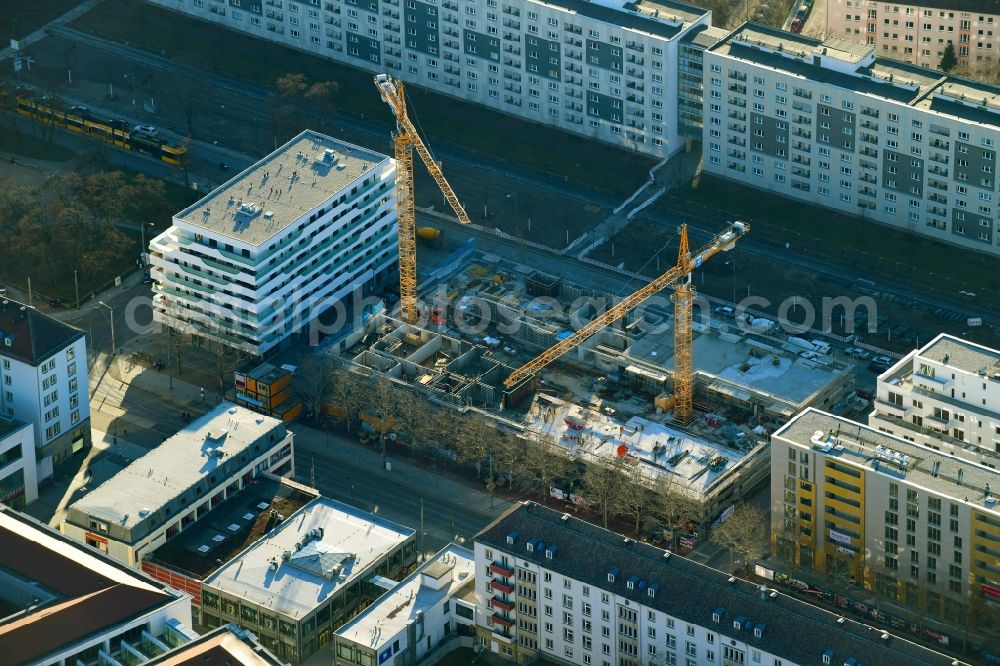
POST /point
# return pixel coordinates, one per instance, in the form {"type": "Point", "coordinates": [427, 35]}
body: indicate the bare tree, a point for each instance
{"type": "Point", "coordinates": [744, 533]}
{"type": "Point", "coordinates": [313, 382]}
{"type": "Point", "coordinates": [543, 464]}
{"type": "Point", "coordinates": [510, 454]}
{"type": "Point", "coordinates": [637, 497]}
{"type": "Point", "coordinates": [349, 394]}
{"type": "Point", "coordinates": [384, 410]}
{"type": "Point", "coordinates": [603, 483]}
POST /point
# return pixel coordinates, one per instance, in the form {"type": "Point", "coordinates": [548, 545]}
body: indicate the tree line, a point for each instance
{"type": "Point", "coordinates": [391, 415]}
{"type": "Point", "coordinates": [72, 223]}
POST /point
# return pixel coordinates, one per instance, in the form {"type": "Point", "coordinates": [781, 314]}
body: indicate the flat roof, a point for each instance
{"type": "Point", "coordinates": [663, 18]}
{"type": "Point", "coordinates": [226, 531]}
{"type": "Point", "coordinates": [729, 357]}
{"type": "Point", "coordinates": [202, 447]}
{"type": "Point", "coordinates": [674, 458]}
{"type": "Point", "coordinates": [224, 646]}
{"type": "Point", "coordinates": [789, 629]}
{"type": "Point", "coordinates": [866, 447]}
{"type": "Point", "coordinates": [894, 80]}
{"type": "Point", "coordinates": [8, 426]}
{"type": "Point", "coordinates": [265, 198]}
{"type": "Point", "coordinates": [351, 542]}
{"type": "Point", "coordinates": [961, 354]}
{"type": "Point", "coordinates": [396, 609]}
{"type": "Point", "coordinates": [705, 36]}
{"type": "Point", "coordinates": [81, 591]}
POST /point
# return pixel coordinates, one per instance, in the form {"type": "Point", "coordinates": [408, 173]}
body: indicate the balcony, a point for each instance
{"type": "Point", "coordinates": [869, 152]}
{"type": "Point", "coordinates": [869, 125]}
{"type": "Point", "coordinates": [938, 171]}
{"type": "Point", "coordinates": [737, 115]}
{"type": "Point", "coordinates": [940, 159]}
{"type": "Point", "coordinates": [737, 76]}
{"type": "Point", "coordinates": [503, 621]}
{"type": "Point", "coordinates": [940, 145]}
{"type": "Point", "coordinates": [804, 161]}
{"type": "Point", "coordinates": [502, 604]}
{"type": "Point", "coordinates": [501, 570]}
{"type": "Point", "coordinates": [733, 87]}
{"type": "Point", "coordinates": [497, 585]}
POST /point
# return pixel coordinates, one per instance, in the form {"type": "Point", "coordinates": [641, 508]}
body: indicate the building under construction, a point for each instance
{"type": "Point", "coordinates": [489, 317]}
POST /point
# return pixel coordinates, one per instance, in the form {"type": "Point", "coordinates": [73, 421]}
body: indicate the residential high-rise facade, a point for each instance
{"type": "Point", "coordinates": [606, 70]}
{"type": "Point", "coordinates": [43, 381]}
{"type": "Point", "coordinates": [262, 256]}
{"type": "Point", "coordinates": [831, 124]}
{"type": "Point", "coordinates": [908, 523]}
{"type": "Point", "coordinates": [553, 585]}
{"type": "Point", "coordinates": [18, 478]}
{"type": "Point", "coordinates": [919, 32]}
{"type": "Point", "coordinates": [945, 396]}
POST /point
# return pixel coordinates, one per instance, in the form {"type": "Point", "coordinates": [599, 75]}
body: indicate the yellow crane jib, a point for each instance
{"type": "Point", "coordinates": [686, 262]}
{"type": "Point", "coordinates": [405, 140]}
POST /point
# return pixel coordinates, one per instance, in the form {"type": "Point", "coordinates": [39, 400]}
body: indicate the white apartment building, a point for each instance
{"type": "Point", "coordinates": [553, 584]}
{"type": "Point", "coordinates": [919, 33]}
{"type": "Point", "coordinates": [831, 124]}
{"type": "Point", "coordinates": [179, 482]}
{"type": "Point", "coordinates": [18, 478]}
{"type": "Point", "coordinates": [606, 70]}
{"type": "Point", "coordinates": [43, 381]}
{"type": "Point", "coordinates": [908, 523]}
{"type": "Point", "coordinates": [433, 604]}
{"type": "Point", "coordinates": [261, 257]}
{"type": "Point", "coordinates": [945, 396]}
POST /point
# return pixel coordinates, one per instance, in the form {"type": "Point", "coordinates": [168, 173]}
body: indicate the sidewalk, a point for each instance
{"type": "Point", "coordinates": [308, 441]}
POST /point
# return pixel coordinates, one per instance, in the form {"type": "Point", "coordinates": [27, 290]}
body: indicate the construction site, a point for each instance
{"type": "Point", "coordinates": [611, 394]}
{"type": "Point", "coordinates": [597, 375]}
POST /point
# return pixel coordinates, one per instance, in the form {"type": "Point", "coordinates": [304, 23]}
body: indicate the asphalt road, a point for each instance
{"type": "Point", "coordinates": [344, 471]}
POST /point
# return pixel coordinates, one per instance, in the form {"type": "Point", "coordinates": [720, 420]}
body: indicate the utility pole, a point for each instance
{"type": "Point", "coordinates": [420, 534]}
{"type": "Point", "coordinates": [312, 473]}
{"type": "Point", "coordinates": [76, 285]}
{"type": "Point", "coordinates": [29, 292]}
{"type": "Point", "coordinates": [170, 368]}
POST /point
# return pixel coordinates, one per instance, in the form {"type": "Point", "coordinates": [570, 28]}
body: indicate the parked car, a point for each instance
{"type": "Point", "coordinates": [801, 13]}
{"type": "Point", "coordinates": [858, 352]}
{"type": "Point", "coordinates": [145, 129]}
{"type": "Point", "coordinates": [821, 346]}
{"type": "Point", "coordinates": [880, 364]}
{"type": "Point", "coordinates": [796, 25]}
{"type": "Point", "coordinates": [725, 311]}
{"type": "Point", "coordinates": [809, 355]}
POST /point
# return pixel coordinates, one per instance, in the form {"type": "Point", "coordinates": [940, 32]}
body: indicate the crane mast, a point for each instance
{"type": "Point", "coordinates": [680, 276]}
{"type": "Point", "coordinates": [405, 141]}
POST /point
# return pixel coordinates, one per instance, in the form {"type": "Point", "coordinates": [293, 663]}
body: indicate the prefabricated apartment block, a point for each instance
{"type": "Point", "coordinates": [831, 124]}
{"type": "Point", "coordinates": [606, 70]}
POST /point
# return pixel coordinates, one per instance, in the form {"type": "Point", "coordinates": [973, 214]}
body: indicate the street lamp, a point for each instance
{"type": "Point", "coordinates": [733, 262]}
{"type": "Point", "coordinates": [513, 194]}
{"type": "Point", "coordinates": [114, 347]}
{"type": "Point", "coordinates": [142, 227]}
{"type": "Point", "coordinates": [131, 76]}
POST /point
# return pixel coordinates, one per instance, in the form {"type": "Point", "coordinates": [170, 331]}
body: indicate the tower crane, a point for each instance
{"type": "Point", "coordinates": [404, 141]}
{"type": "Point", "coordinates": [680, 276]}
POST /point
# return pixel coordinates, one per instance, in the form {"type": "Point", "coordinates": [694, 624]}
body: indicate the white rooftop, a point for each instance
{"type": "Point", "coordinates": [383, 621]}
{"type": "Point", "coordinates": [666, 455]}
{"type": "Point", "coordinates": [202, 447]}
{"type": "Point", "coordinates": [268, 196]}
{"type": "Point", "coordinates": [274, 573]}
